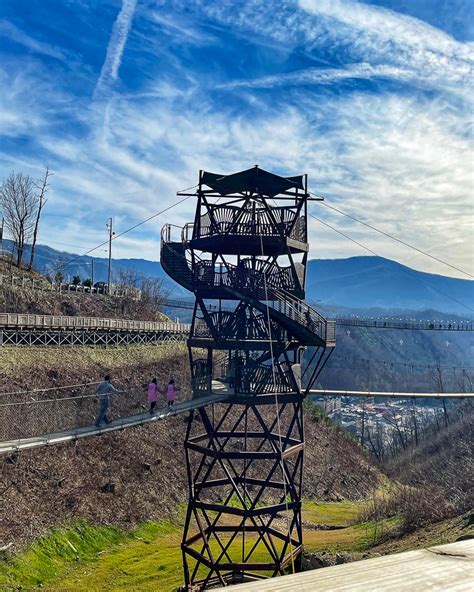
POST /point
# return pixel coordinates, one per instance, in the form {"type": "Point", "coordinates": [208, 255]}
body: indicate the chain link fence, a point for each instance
{"type": "Point", "coordinates": [44, 411]}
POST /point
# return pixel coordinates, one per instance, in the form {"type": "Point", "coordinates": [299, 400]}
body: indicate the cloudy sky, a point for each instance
{"type": "Point", "coordinates": [125, 100]}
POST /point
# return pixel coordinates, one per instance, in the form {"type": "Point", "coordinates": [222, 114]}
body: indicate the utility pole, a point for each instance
{"type": "Point", "coordinates": [1, 236]}
{"type": "Point", "coordinates": [92, 271]}
{"type": "Point", "coordinates": [109, 274]}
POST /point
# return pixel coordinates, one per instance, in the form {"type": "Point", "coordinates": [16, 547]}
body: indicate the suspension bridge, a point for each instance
{"type": "Point", "coordinates": [19, 329]}
{"type": "Point", "coordinates": [244, 258]}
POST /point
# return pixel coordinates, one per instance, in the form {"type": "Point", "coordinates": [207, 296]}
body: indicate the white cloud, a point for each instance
{"type": "Point", "coordinates": [9, 30]}
{"type": "Point", "coordinates": [388, 27]}
{"type": "Point", "coordinates": [324, 76]}
{"type": "Point", "coordinates": [118, 39]}
{"type": "Point", "coordinates": [353, 32]}
{"type": "Point", "coordinates": [401, 162]}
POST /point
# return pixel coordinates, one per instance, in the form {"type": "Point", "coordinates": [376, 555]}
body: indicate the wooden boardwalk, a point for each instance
{"type": "Point", "coordinates": [446, 568]}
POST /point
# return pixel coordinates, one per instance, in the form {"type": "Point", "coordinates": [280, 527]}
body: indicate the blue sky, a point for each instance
{"type": "Point", "coordinates": [125, 100]}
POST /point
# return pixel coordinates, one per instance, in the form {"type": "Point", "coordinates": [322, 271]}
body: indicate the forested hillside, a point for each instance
{"type": "Point", "coordinates": [400, 360]}
{"type": "Point", "coordinates": [139, 474]}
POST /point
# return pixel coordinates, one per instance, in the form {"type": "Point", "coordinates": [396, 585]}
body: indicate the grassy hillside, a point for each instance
{"type": "Point", "coordinates": [84, 557]}
{"type": "Point", "coordinates": [105, 513]}
{"type": "Point", "coordinates": [90, 558]}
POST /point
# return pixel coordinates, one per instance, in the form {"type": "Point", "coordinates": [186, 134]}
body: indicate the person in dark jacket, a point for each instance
{"type": "Point", "coordinates": [104, 390]}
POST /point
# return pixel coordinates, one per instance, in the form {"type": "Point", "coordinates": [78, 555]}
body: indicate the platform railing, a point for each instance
{"type": "Point", "coordinates": [230, 325]}
{"type": "Point", "coordinates": [231, 220]}
{"type": "Point", "coordinates": [60, 322]}
{"type": "Point", "coordinates": [252, 282]}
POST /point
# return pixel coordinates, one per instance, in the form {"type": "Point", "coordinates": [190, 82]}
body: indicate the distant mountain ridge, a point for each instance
{"type": "Point", "coordinates": [355, 282]}
{"type": "Point", "coordinates": [375, 282]}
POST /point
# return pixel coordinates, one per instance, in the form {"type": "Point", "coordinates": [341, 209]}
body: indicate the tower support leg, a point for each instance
{"type": "Point", "coordinates": [245, 465]}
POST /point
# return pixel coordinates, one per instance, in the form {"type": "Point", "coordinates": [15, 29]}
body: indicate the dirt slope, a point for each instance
{"type": "Point", "coordinates": [126, 477]}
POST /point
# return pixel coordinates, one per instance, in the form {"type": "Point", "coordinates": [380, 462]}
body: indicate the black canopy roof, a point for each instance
{"type": "Point", "coordinates": [255, 179]}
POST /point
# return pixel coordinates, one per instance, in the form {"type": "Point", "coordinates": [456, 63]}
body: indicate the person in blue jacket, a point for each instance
{"type": "Point", "coordinates": [104, 390]}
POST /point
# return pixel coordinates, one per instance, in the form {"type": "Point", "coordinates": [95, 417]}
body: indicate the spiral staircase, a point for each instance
{"type": "Point", "coordinates": [244, 258]}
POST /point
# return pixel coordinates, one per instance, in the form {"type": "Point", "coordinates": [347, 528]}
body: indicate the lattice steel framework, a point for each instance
{"type": "Point", "coordinates": [25, 337]}
{"type": "Point", "coordinates": [244, 258]}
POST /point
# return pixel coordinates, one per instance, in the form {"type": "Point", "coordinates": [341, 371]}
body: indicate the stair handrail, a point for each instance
{"type": "Point", "coordinates": [294, 308]}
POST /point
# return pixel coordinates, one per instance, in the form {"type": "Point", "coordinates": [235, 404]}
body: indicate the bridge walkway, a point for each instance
{"type": "Point", "coordinates": [220, 393]}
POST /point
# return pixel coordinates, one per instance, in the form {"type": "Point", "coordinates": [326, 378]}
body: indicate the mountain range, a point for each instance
{"type": "Point", "coordinates": [352, 283]}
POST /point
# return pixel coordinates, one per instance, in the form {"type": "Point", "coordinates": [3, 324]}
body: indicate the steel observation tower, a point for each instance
{"type": "Point", "coordinates": [244, 257]}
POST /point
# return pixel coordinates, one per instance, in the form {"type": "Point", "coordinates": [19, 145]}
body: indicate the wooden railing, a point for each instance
{"type": "Point", "coordinates": [26, 282]}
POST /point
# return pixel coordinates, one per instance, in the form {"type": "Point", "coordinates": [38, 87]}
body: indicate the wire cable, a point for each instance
{"type": "Point", "coordinates": [51, 388]}
{"type": "Point", "coordinates": [394, 238]}
{"type": "Point", "coordinates": [116, 236]}
{"type": "Point", "coordinates": [402, 269]}
{"type": "Point", "coordinates": [282, 463]}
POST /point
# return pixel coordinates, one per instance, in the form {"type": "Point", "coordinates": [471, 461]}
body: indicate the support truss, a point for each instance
{"type": "Point", "coordinates": [19, 337]}
{"type": "Point", "coordinates": [245, 466]}
{"type": "Point", "coordinates": [244, 257]}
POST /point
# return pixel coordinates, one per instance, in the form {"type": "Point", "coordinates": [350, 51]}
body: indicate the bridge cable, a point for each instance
{"type": "Point", "coordinates": [394, 238]}
{"type": "Point", "coordinates": [377, 255]}
{"type": "Point", "coordinates": [116, 236]}
{"type": "Point", "coordinates": [282, 464]}
{"type": "Point", "coordinates": [51, 388]}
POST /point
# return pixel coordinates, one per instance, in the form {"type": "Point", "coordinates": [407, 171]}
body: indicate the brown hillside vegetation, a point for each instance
{"type": "Point", "coordinates": [436, 479]}
{"type": "Point", "coordinates": [124, 478]}
{"type": "Point", "coordinates": [25, 299]}
{"type": "Point", "coordinates": [442, 466]}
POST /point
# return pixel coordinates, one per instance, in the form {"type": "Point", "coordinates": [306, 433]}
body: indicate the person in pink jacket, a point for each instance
{"type": "Point", "coordinates": [153, 390]}
{"type": "Point", "coordinates": [171, 391]}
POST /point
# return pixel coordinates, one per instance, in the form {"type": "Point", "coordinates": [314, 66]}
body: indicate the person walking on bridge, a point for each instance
{"type": "Point", "coordinates": [153, 390]}
{"type": "Point", "coordinates": [171, 391]}
{"type": "Point", "coordinates": [104, 391]}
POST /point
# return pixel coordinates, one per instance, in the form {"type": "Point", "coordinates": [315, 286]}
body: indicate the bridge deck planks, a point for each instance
{"type": "Point", "coordinates": [445, 568]}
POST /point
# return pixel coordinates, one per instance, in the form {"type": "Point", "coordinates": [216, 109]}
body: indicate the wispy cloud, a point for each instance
{"type": "Point", "coordinates": [118, 39]}
{"type": "Point", "coordinates": [12, 32]}
{"type": "Point", "coordinates": [396, 44]}
{"type": "Point", "coordinates": [388, 27]}
{"type": "Point", "coordinates": [384, 151]}
{"type": "Point", "coordinates": [323, 76]}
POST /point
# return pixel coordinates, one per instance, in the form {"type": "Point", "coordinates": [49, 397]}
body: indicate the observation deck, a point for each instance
{"type": "Point", "coordinates": [232, 230]}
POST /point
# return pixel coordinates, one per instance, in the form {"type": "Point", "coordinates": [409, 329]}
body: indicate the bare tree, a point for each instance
{"type": "Point", "coordinates": [42, 188]}
{"type": "Point", "coordinates": [57, 272]}
{"type": "Point", "coordinates": [438, 380]}
{"type": "Point", "coordinates": [137, 295]}
{"type": "Point", "coordinates": [19, 205]}
{"type": "Point", "coordinates": [415, 422]}
{"type": "Point", "coordinates": [126, 280]}
{"type": "Point", "coordinates": [152, 291]}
